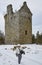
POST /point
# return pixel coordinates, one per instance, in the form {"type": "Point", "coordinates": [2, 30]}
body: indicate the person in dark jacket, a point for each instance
{"type": "Point", "coordinates": [19, 52]}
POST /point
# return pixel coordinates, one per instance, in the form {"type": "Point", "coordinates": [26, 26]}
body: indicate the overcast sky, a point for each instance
{"type": "Point", "coordinates": [34, 5]}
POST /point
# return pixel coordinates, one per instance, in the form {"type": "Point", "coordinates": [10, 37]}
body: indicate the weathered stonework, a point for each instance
{"type": "Point", "coordinates": [18, 25]}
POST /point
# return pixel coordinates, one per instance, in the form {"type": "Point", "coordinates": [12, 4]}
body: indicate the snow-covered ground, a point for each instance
{"type": "Point", "coordinates": [33, 55]}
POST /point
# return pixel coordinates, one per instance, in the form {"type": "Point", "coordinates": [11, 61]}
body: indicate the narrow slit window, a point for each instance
{"type": "Point", "coordinates": [25, 32]}
{"type": "Point", "coordinates": [11, 18]}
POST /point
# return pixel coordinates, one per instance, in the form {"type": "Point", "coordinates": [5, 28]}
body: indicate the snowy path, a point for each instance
{"type": "Point", "coordinates": [32, 61]}
{"type": "Point", "coordinates": [8, 57]}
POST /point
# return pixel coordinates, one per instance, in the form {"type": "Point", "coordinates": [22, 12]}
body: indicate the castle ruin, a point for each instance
{"type": "Point", "coordinates": [18, 25]}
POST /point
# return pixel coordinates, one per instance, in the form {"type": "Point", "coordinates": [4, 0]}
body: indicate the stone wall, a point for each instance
{"type": "Point", "coordinates": [25, 28]}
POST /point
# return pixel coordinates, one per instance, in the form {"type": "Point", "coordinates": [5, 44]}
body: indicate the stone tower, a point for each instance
{"type": "Point", "coordinates": [18, 25]}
